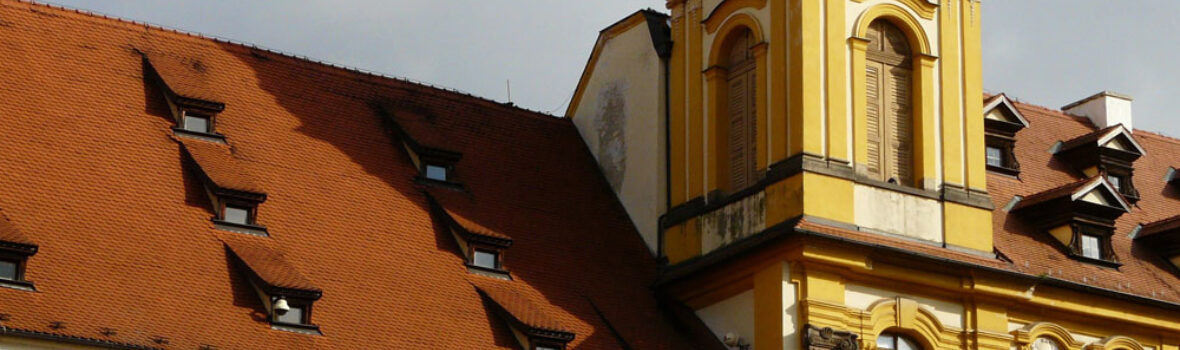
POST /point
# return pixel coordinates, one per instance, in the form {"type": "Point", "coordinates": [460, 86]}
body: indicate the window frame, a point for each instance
{"type": "Point", "coordinates": [18, 268]}
{"type": "Point", "coordinates": [1103, 234]}
{"type": "Point", "coordinates": [307, 305]}
{"type": "Point", "coordinates": [185, 114]}
{"type": "Point", "coordinates": [495, 253]}
{"type": "Point", "coordinates": [1126, 183]}
{"type": "Point", "coordinates": [446, 171]}
{"type": "Point", "coordinates": [1007, 147]}
{"type": "Point", "coordinates": [251, 212]}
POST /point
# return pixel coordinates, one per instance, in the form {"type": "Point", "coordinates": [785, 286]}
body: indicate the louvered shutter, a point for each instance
{"type": "Point", "coordinates": [751, 128]}
{"type": "Point", "coordinates": [738, 115]}
{"type": "Point", "coordinates": [901, 138]}
{"type": "Point", "coordinates": [873, 118]}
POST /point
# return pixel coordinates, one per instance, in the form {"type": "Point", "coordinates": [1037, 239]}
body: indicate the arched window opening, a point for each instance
{"type": "Point", "coordinates": [889, 104]}
{"type": "Point", "coordinates": [893, 341]}
{"type": "Point", "coordinates": [741, 117]}
{"type": "Point", "coordinates": [1045, 343]}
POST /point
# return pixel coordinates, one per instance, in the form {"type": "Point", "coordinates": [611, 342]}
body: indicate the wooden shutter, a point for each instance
{"type": "Point", "coordinates": [742, 93]}
{"type": "Point", "coordinates": [873, 118]}
{"type": "Point", "coordinates": [738, 114]}
{"type": "Point", "coordinates": [901, 137]}
{"type": "Point", "coordinates": [889, 105]}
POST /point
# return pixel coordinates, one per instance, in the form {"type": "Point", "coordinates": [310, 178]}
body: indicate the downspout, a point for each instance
{"type": "Point", "coordinates": [665, 58]}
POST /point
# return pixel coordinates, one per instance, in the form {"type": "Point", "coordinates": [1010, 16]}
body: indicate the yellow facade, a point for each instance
{"type": "Point", "coordinates": [776, 255]}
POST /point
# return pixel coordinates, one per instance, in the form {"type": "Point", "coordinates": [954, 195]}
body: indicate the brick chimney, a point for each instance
{"type": "Point", "coordinates": [1104, 109]}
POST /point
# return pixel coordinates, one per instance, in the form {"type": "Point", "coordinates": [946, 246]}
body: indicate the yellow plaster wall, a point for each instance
{"type": "Point", "coordinates": [967, 227]}
{"type": "Point", "coordinates": [828, 197]}
{"type": "Point", "coordinates": [682, 242]}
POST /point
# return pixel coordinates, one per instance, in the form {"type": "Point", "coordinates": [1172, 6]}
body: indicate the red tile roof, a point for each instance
{"type": "Point", "coordinates": [1143, 273]}
{"type": "Point", "coordinates": [93, 176]}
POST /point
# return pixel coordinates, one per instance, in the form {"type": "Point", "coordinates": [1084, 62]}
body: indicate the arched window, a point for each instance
{"type": "Point", "coordinates": [889, 104]}
{"type": "Point", "coordinates": [741, 135]}
{"type": "Point", "coordinates": [1045, 343]}
{"type": "Point", "coordinates": [893, 341]}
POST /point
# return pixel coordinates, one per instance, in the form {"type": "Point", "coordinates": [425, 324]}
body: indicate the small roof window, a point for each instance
{"type": "Point", "coordinates": [9, 269]}
{"type": "Point", "coordinates": [237, 214]}
{"type": "Point", "coordinates": [486, 259]}
{"type": "Point", "coordinates": [197, 123]}
{"type": "Point", "coordinates": [436, 172]}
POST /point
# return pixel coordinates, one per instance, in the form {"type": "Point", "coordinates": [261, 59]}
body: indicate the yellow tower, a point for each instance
{"type": "Point", "coordinates": [860, 114]}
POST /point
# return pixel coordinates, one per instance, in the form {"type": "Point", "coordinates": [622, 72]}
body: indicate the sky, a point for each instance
{"type": "Point", "coordinates": [1045, 52]}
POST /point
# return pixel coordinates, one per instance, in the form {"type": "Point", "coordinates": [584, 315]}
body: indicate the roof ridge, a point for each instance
{"type": "Point", "coordinates": [321, 63]}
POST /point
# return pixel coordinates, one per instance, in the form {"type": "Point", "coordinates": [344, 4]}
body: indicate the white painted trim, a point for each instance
{"type": "Point", "coordinates": [1093, 185]}
{"type": "Point", "coordinates": [1123, 131]}
{"type": "Point", "coordinates": [1002, 100]}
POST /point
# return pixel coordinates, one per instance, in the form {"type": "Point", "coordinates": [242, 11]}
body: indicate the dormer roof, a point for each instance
{"type": "Point", "coordinates": [1114, 137]}
{"type": "Point", "coordinates": [220, 169]}
{"type": "Point", "coordinates": [1092, 198]}
{"type": "Point", "coordinates": [270, 267]}
{"type": "Point", "coordinates": [1001, 109]}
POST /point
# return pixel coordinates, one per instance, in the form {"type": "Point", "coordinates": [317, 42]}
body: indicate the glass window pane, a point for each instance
{"type": "Point", "coordinates": [886, 341]}
{"type": "Point", "coordinates": [7, 270]}
{"type": "Point", "coordinates": [995, 157]}
{"type": "Point", "coordinates": [1090, 247]}
{"type": "Point", "coordinates": [435, 172]}
{"type": "Point", "coordinates": [1115, 181]}
{"type": "Point", "coordinates": [904, 343]}
{"type": "Point", "coordinates": [295, 315]}
{"type": "Point", "coordinates": [196, 123]}
{"type": "Point", "coordinates": [237, 215]}
{"type": "Point", "coordinates": [484, 259]}
{"type": "Point", "coordinates": [542, 347]}
{"type": "Point", "coordinates": [1043, 343]}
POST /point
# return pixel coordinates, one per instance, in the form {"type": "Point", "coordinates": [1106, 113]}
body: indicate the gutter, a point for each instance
{"type": "Point", "coordinates": [28, 334]}
{"type": "Point", "coordinates": [787, 229]}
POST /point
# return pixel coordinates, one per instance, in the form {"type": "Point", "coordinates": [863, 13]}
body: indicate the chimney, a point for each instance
{"type": "Point", "coordinates": [1104, 109]}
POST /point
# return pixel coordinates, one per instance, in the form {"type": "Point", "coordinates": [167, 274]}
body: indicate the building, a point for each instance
{"type": "Point", "coordinates": [831, 175]}
{"type": "Point", "coordinates": [170, 191]}
{"type": "Point", "coordinates": [738, 174]}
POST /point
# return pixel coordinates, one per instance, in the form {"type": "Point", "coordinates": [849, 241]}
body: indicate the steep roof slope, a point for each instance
{"type": "Point", "coordinates": [1032, 251]}
{"type": "Point", "coordinates": [93, 176]}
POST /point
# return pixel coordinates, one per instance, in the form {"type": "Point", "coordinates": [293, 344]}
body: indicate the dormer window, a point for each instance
{"type": "Point", "coordinates": [297, 312]}
{"type": "Point", "coordinates": [234, 194]}
{"type": "Point", "coordinates": [1110, 152]}
{"type": "Point", "coordinates": [1091, 246]}
{"type": "Point", "coordinates": [15, 251]}
{"type": "Point", "coordinates": [484, 258]}
{"type": "Point", "coordinates": [482, 248]}
{"type": "Point", "coordinates": [198, 123]}
{"type": "Point", "coordinates": [534, 329]}
{"type": "Point", "coordinates": [238, 213]}
{"type": "Point", "coordinates": [286, 294]}
{"type": "Point", "coordinates": [436, 172]}
{"type": "Point", "coordinates": [1001, 122]}
{"type": "Point", "coordinates": [436, 166]}
{"type": "Point", "coordinates": [1080, 216]}
{"type": "Point", "coordinates": [10, 270]}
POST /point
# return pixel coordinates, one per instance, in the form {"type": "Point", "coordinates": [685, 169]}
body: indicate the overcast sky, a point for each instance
{"type": "Point", "coordinates": [1047, 52]}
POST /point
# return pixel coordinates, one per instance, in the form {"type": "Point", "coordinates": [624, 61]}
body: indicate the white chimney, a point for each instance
{"type": "Point", "coordinates": [1104, 109]}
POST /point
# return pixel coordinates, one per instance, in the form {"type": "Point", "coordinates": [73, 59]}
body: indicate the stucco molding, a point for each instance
{"type": "Point", "coordinates": [907, 316]}
{"type": "Point", "coordinates": [1024, 336]}
{"type": "Point", "coordinates": [1115, 342]}
{"type": "Point", "coordinates": [900, 17]}
{"type": "Point", "coordinates": [727, 8]}
{"type": "Point", "coordinates": [923, 8]}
